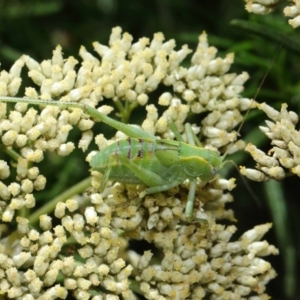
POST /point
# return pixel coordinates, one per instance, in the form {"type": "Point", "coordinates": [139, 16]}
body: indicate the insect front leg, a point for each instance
{"type": "Point", "coordinates": [191, 137]}
{"type": "Point", "coordinates": [175, 130]}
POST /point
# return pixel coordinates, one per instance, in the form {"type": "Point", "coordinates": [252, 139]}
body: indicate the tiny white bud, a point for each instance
{"type": "Point", "coordinates": [29, 201]}
{"type": "Point", "coordinates": [14, 188]}
{"type": "Point", "coordinates": [85, 124]}
{"type": "Point", "coordinates": [57, 58]}
{"type": "Point", "coordinates": [33, 173]}
{"type": "Point", "coordinates": [188, 95]}
{"type": "Point", "coordinates": [4, 192]}
{"type": "Point", "coordinates": [165, 99]}
{"type": "Point", "coordinates": [65, 149]}
{"type": "Point", "coordinates": [21, 258]}
{"type": "Point", "coordinates": [259, 9]}
{"type": "Point", "coordinates": [74, 116]}
{"type": "Point", "coordinates": [46, 68]}
{"type": "Point", "coordinates": [16, 68]}
{"type": "Point", "coordinates": [271, 112]}
{"type": "Point", "coordinates": [14, 86]}
{"type": "Point", "coordinates": [4, 169]}
{"type": "Point", "coordinates": [85, 140]}
{"type": "Point", "coordinates": [70, 283]}
{"type": "Point", "coordinates": [57, 74]}
{"type": "Point", "coordinates": [68, 223]}
{"type": "Point", "coordinates": [8, 214]}
{"type": "Point", "coordinates": [14, 292]}
{"type": "Point", "coordinates": [83, 283]}
{"type": "Point", "coordinates": [142, 99]}
{"type": "Point", "coordinates": [37, 77]}
{"type": "Point", "coordinates": [274, 172]}
{"type": "Point", "coordinates": [45, 222]}
{"type": "Point", "coordinates": [254, 175]}
{"type": "Point", "coordinates": [91, 215]}
{"type": "Point", "coordinates": [40, 182]}
{"type": "Point", "coordinates": [78, 222]}
{"type": "Point", "coordinates": [72, 205]}
{"type": "Point", "coordinates": [50, 277]}
{"type": "Point", "coordinates": [33, 156]}
{"type": "Point", "coordinates": [60, 210]}
{"type": "Point", "coordinates": [63, 133]}
{"type": "Point", "coordinates": [101, 141]}
{"type": "Point", "coordinates": [31, 63]}
{"type": "Point", "coordinates": [27, 186]}
{"type": "Point", "coordinates": [295, 22]}
{"type": "Point", "coordinates": [21, 140]}
{"type": "Point", "coordinates": [9, 137]}
{"type": "Point", "coordinates": [33, 235]}
{"type": "Point", "coordinates": [23, 225]}
{"type": "Point", "coordinates": [36, 284]}
{"type": "Point", "coordinates": [16, 203]}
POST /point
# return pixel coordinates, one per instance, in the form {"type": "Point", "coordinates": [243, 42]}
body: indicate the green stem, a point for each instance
{"type": "Point", "coordinates": [50, 206]}
{"type": "Point", "coordinates": [12, 153]}
{"type": "Point", "coordinates": [278, 208]}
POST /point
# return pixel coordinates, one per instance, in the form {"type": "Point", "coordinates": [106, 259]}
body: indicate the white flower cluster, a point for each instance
{"type": "Point", "coordinates": [34, 261]}
{"type": "Point", "coordinates": [85, 251]}
{"type": "Point", "coordinates": [196, 262]}
{"type": "Point", "coordinates": [262, 7]}
{"type": "Point", "coordinates": [284, 156]}
{"type": "Point", "coordinates": [293, 11]}
{"type": "Point", "coordinates": [198, 267]}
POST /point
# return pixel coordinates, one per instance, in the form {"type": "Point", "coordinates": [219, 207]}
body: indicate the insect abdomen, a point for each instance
{"type": "Point", "coordinates": [139, 151]}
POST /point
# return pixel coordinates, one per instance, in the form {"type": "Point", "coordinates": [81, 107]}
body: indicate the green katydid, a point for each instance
{"type": "Point", "coordinates": [143, 158]}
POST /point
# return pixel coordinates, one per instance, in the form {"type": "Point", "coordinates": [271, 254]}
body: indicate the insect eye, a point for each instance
{"type": "Point", "coordinates": [214, 170]}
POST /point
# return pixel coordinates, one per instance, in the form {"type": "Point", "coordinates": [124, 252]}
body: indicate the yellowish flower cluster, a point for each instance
{"type": "Point", "coordinates": [262, 7]}
{"type": "Point", "coordinates": [284, 156]}
{"type": "Point", "coordinates": [293, 11]}
{"type": "Point", "coordinates": [83, 249]}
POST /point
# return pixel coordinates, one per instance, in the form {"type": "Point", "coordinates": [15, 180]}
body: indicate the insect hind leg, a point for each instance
{"type": "Point", "coordinates": [148, 177]}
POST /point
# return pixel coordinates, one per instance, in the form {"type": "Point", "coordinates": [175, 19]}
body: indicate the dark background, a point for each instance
{"type": "Point", "coordinates": [36, 27]}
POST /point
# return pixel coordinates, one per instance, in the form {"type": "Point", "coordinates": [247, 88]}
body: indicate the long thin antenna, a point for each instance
{"type": "Point", "coordinates": [255, 96]}
{"type": "Point", "coordinates": [246, 183]}
{"type": "Point", "coordinates": [260, 86]}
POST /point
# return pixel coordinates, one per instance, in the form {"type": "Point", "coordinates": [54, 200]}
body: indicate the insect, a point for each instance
{"type": "Point", "coordinates": [143, 158]}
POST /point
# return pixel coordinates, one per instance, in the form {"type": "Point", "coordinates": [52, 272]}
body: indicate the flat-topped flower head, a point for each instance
{"type": "Point", "coordinates": [80, 243]}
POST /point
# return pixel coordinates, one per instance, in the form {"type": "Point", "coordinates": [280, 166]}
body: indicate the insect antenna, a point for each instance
{"type": "Point", "coordinates": [254, 98]}
{"type": "Point", "coordinates": [223, 157]}
{"type": "Point", "coordinates": [259, 87]}
{"type": "Point", "coordinates": [245, 181]}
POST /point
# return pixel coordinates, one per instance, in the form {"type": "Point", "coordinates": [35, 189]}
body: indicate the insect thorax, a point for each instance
{"type": "Point", "coordinates": [199, 162]}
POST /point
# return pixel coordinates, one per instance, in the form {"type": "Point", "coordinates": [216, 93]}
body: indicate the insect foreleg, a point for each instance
{"type": "Point", "coordinates": [191, 136]}
{"type": "Point", "coordinates": [175, 130]}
